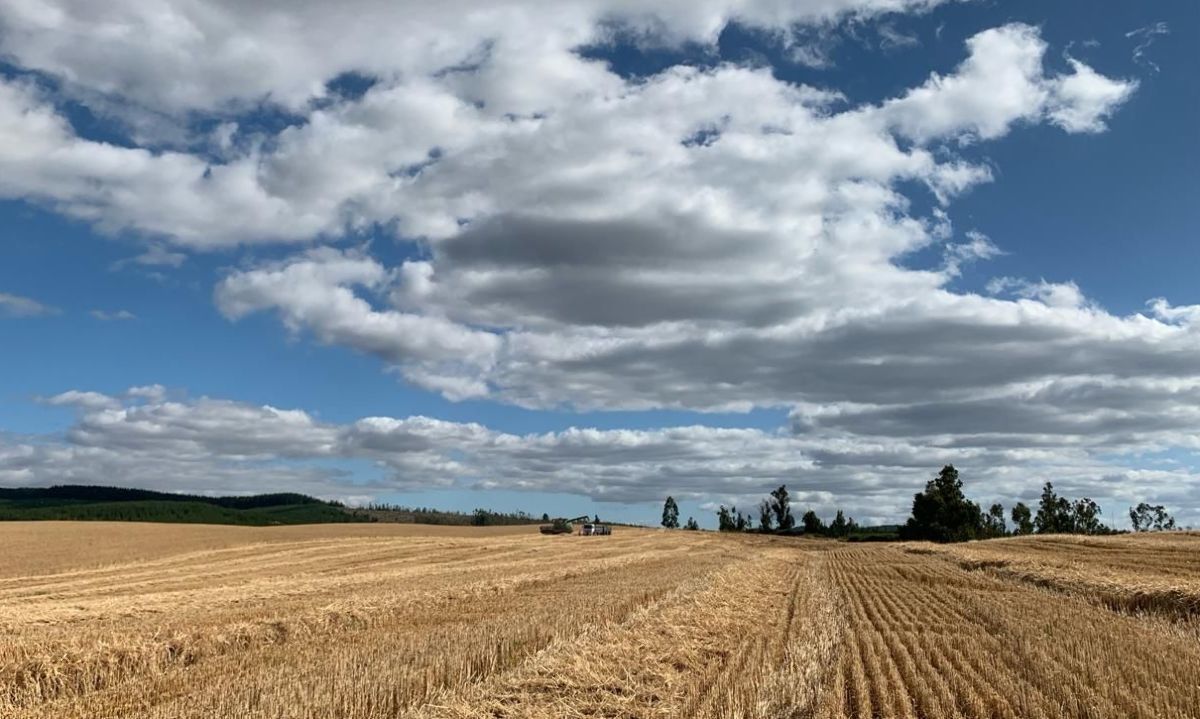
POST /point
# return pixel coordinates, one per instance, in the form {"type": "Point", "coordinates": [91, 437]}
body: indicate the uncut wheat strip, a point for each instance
{"type": "Point", "coordinates": [310, 684]}
{"type": "Point", "coordinates": [1073, 657]}
{"type": "Point", "coordinates": [61, 665]}
{"type": "Point", "coordinates": [1154, 543]}
{"type": "Point", "coordinates": [1064, 688]}
{"type": "Point", "coordinates": [1129, 556]}
{"type": "Point", "coordinates": [1128, 561]}
{"type": "Point", "coordinates": [1087, 657]}
{"type": "Point", "coordinates": [1037, 647]}
{"type": "Point", "coordinates": [1115, 589]}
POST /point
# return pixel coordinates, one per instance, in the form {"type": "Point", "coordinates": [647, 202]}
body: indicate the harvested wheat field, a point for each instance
{"type": "Point", "coordinates": [389, 621]}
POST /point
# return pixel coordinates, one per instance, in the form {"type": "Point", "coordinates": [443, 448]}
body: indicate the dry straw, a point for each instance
{"type": "Point", "coordinates": [368, 623]}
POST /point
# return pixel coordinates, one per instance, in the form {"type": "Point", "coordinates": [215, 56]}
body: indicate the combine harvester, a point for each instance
{"type": "Point", "coordinates": [566, 526]}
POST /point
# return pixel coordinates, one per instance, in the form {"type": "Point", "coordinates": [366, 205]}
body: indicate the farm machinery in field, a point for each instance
{"type": "Point", "coordinates": [567, 526]}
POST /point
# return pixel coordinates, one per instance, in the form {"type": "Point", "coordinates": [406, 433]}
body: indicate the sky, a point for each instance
{"type": "Point", "coordinates": [577, 256]}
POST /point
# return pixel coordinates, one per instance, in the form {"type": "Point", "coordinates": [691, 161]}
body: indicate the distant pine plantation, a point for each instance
{"type": "Point", "coordinates": [82, 502]}
{"type": "Point", "coordinates": [426, 515]}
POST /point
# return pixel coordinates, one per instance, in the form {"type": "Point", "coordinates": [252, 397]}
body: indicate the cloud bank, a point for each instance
{"type": "Point", "coordinates": [702, 238]}
{"type": "Point", "coordinates": [145, 437]}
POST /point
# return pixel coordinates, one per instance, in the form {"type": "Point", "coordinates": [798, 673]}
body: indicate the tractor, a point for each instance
{"type": "Point", "coordinates": [566, 526]}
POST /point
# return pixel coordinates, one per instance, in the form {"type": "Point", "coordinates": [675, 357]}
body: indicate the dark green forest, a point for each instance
{"type": "Point", "coordinates": [86, 502]}
{"type": "Point", "coordinates": [78, 502]}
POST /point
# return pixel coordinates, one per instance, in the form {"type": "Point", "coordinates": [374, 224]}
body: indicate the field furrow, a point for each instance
{"type": "Point", "coordinates": [960, 643]}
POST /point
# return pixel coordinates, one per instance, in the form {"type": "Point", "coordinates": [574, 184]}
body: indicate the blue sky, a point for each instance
{"type": "Point", "coordinates": [1084, 220]}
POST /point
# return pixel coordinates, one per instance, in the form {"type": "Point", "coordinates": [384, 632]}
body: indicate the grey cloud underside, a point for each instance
{"type": "Point", "coordinates": [611, 273]}
{"type": "Point", "coordinates": [1093, 412]}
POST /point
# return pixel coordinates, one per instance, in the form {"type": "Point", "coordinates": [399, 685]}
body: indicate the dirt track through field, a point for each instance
{"type": "Point", "coordinates": [315, 624]}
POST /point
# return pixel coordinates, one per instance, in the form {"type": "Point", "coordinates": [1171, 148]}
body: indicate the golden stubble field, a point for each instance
{"type": "Point", "coordinates": [131, 620]}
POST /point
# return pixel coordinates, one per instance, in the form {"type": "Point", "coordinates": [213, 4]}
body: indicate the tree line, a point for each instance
{"type": "Point", "coordinates": [943, 513]}
{"type": "Point", "coordinates": [383, 512]}
{"type": "Point", "coordinates": [774, 517]}
{"type": "Point", "coordinates": [940, 513]}
{"type": "Point", "coordinates": [61, 494]}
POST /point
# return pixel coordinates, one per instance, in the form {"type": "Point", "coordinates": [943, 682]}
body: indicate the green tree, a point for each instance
{"type": "Point", "coordinates": [781, 507]}
{"type": "Point", "coordinates": [1150, 518]}
{"type": "Point", "coordinates": [1054, 515]}
{"type": "Point", "coordinates": [812, 523]}
{"type": "Point", "coordinates": [545, 517]}
{"type": "Point", "coordinates": [1022, 519]}
{"type": "Point", "coordinates": [765, 516]}
{"type": "Point", "coordinates": [691, 524]}
{"type": "Point", "coordinates": [993, 522]}
{"type": "Point", "coordinates": [942, 513]}
{"type": "Point", "coordinates": [839, 527]}
{"type": "Point", "coordinates": [725, 520]}
{"type": "Point", "coordinates": [742, 522]}
{"type": "Point", "coordinates": [670, 514]}
{"type": "Point", "coordinates": [1085, 517]}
